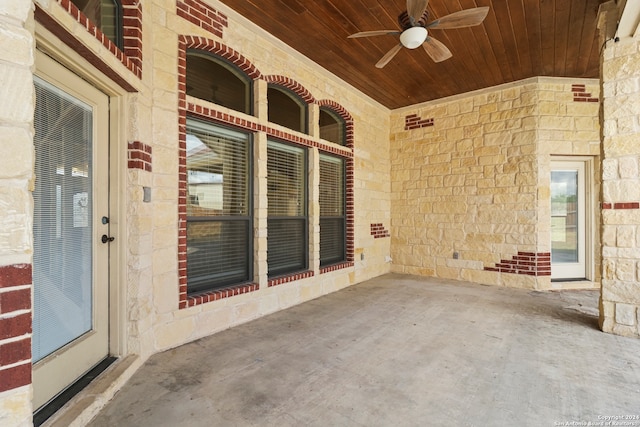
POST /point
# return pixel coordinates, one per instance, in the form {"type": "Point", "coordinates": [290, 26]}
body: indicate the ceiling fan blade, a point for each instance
{"type": "Point", "coordinates": [464, 18]}
{"type": "Point", "coordinates": [373, 33]}
{"type": "Point", "coordinates": [389, 56]}
{"type": "Point", "coordinates": [436, 49]}
{"type": "Point", "coordinates": [415, 10]}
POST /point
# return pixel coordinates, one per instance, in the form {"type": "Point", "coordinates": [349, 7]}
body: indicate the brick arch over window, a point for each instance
{"type": "Point", "coordinates": [292, 85]}
{"type": "Point", "coordinates": [342, 113]}
{"type": "Point", "coordinates": [215, 48]}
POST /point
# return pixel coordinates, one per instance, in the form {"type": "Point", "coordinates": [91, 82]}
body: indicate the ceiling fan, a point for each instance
{"type": "Point", "coordinates": [415, 30]}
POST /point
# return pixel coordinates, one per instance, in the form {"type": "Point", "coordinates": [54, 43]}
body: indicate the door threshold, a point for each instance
{"type": "Point", "coordinates": [51, 407]}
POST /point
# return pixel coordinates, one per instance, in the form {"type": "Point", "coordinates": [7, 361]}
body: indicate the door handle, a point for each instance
{"type": "Point", "coordinates": [107, 239]}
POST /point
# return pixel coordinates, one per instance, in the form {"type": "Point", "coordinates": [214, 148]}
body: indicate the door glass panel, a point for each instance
{"type": "Point", "coordinates": [564, 216]}
{"type": "Point", "coordinates": [63, 199]}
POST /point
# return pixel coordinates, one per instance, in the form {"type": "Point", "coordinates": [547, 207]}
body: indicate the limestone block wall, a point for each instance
{"type": "Point", "coordinates": [172, 26]}
{"type": "Point", "coordinates": [470, 180]}
{"type": "Point", "coordinates": [16, 210]}
{"type": "Point", "coordinates": [620, 298]}
{"type": "Point", "coordinates": [143, 83]}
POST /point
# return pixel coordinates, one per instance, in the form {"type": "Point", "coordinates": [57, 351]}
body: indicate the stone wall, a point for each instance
{"type": "Point", "coordinates": [16, 209]}
{"type": "Point", "coordinates": [470, 179]}
{"type": "Point", "coordinates": [620, 310]}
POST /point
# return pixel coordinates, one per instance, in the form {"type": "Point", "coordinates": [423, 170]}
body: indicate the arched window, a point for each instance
{"type": "Point", "coordinates": [287, 109]}
{"type": "Point", "coordinates": [216, 80]}
{"type": "Point", "coordinates": [332, 126]}
{"type": "Point", "coordinates": [106, 15]}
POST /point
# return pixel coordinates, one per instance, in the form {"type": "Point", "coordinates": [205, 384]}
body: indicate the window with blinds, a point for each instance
{"type": "Point", "coordinates": [287, 109]}
{"type": "Point", "coordinates": [215, 80]}
{"type": "Point", "coordinates": [219, 216]}
{"type": "Point", "coordinates": [332, 126]}
{"type": "Point", "coordinates": [332, 210]}
{"type": "Point", "coordinates": [287, 222]}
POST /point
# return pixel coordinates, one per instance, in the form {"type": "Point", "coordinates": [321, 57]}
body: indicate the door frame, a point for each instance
{"type": "Point", "coordinates": [48, 44]}
{"type": "Point", "coordinates": [589, 194]}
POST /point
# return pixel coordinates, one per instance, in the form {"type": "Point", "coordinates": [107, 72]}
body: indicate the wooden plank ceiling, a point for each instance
{"type": "Point", "coordinates": [517, 40]}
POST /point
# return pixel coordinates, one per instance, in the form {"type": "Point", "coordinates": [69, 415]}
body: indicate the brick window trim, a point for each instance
{"type": "Point", "coordinates": [76, 45]}
{"type": "Point", "coordinates": [186, 42]}
{"type": "Point", "coordinates": [139, 156]}
{"type": "Point", "coordinates": [291, 85]}
{"type": "Point", "coordinates": [336, 267]}
{"type": "Point", "coordinates": [202, 15]}
{"type": "Point", "coordinates": [620, 205]}
{"type": "Point", "coordinates": [131, 55]}
{"type": "Point", "coordinates": [218, 294]}
{"type": "Point", "coordinates": [525, 263]}
{"type": "Point", "coordinates": [289, 278]}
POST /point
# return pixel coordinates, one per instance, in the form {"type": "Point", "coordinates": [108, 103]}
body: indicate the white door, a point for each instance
{"type": "Point", "coordinates": [70, 263]}
{"type": "Point", "coordinates": [568, 231]}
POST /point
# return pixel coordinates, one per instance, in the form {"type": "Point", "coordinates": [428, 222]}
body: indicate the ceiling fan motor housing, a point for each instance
{"type": "Point", "coordinates": [405, 21]}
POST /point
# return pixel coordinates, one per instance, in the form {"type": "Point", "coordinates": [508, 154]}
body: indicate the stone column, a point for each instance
{"type": "Point", "coordinates": [17, 50]}
{"type": "Point", "coordinates": [620, 74]}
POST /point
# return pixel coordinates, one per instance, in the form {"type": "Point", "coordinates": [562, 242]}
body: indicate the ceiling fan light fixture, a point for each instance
{"type": "Point", "coordinates": [413, 37]}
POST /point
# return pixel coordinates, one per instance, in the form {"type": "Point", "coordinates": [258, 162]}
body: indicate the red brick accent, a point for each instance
{"type": "Point", "coordinates": [193, 300]}
{"type": "Point", "coordinates": [15, 377]}
{"type": "Point", "coordinates": [413, 121]}
{"type": "Point", "coordinates": [290, 278]}
{"type": "Point", "coordinates": [621, 205]}
{"type": "Point", "coordinates": [15, 351]}
{"type": "Point", "coordinates": [292, 85]}
{"type": "Point", "coordinates": [139, 156]}
{"type": "Point", "coordinates": [15, 275]}
{"type": "Point", "coordinates": [70, 40]}
{"type": "Point", "coordinates": [15, 281]}
{"type": "Point", "coordinates": [336, 267]}
{"type": "Point", "coordinates": [215, 48]}
{"type": "Point", "coordinates": [16, 326]}
{"type": "Point", "coordinates": [580, 94]}
{"type": "Point", "coordinates": [527, 263]}
{"type": "Point", "coordinates": [131, 57]}
{"type": "Point", "coordinates": [11, 301]}
{"type": "Point", "coordinates": [202, 15]}
{"type": "Point", "coordinates": [378, 231]}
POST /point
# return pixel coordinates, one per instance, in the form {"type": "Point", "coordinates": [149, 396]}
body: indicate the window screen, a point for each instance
{"type": "Point", "coordinates": [287, 109]}
{"type": "Point", "coordinates": [217, 81]}
{"type": "Point", "coordinates": [332, 210]}
{"type": "Point", "coordinates": [219, 221]}
{"type": "Point", "coordinates": [287, 214]}
{"type": "Point", "coordinates": [332, 126]}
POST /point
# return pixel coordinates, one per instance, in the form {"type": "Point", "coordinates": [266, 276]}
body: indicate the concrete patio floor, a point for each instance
{"type": "Point", "coordinates": [396, 351]}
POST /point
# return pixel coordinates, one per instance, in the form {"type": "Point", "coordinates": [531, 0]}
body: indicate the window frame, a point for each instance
{"type": "Point", "coordinates": [304, 185]}
{"type": "Point", "coordinates": [249, 218]}
{"type": "Point", "coordinates": [343, 217]}
{"type": "Point", "coordinates": [231, 67]}
{"type": "Point", "coordinates": [119, 24]}
{"type": "Point", "coordinates": [339, 120]}
{"type": "Point", "coordinates": [304, 113]}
